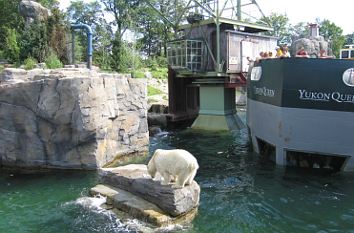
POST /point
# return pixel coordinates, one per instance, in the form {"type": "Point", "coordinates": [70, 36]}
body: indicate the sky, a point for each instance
{"type": "Point", "coordinates": [339, 12]}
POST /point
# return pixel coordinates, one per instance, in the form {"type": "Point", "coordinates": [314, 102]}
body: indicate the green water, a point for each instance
{"type": "Point", "coordinates": [240, 193]}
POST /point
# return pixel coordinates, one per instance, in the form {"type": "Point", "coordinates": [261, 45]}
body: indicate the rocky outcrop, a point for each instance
{"type": "Point", "coordinates": [312, 45]}
{"type": "Point", "coordinates": [130, 189]}
{"type": "Point", "coordinates": [135, 179]}
{"type": "Point", "coordinates": [32, 10]}
{"type": "Point", "coordinates": [70, 118]}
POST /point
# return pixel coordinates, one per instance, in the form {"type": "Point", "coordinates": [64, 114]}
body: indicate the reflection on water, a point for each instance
{"type": "Point", "coordinates": [241, 192]}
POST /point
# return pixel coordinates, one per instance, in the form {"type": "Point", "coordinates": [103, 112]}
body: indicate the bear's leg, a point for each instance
{"type": "Point", "coordinates": [181, 180]}
{"type": "Point", "coordinates": [166, 178]}
{"type": "Point", "coordinates": [191, 177]}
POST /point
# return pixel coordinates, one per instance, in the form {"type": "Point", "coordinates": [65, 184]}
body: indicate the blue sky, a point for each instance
{"type": "Point", "coordinates": [341, 12]}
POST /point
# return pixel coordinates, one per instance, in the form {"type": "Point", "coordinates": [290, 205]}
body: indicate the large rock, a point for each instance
{"type": "Point", "coordinates": [135, 179]}
{"type": "Point", "coordinates": [312, 45]}
{"type": "Point", "coordinates": [71, 118]}
{"type": "Point", "coordinates": [138, 208]}
{"type": "Point", "coordinates": [32, 10]}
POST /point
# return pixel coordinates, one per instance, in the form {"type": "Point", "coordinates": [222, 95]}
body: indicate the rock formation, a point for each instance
{"type": "Point", "coordinates": [32, 10]}
{"type": "Point", "coordinates": [131, 189]}
{"type": "Point", "coordinates": [312, 45]}
{"type": "Point", "coordinates": [70, 118]}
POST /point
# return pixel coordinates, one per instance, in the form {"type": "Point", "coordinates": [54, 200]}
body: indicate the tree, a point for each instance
{"type": "Point", "coordinates": [279, 23]}
{"type": "Point", "coordinates": [333, 34]}
{"type": "Point", "coordinates": [11, 50]}
{"type": "Point", "coordinates": [299, 30]}
{"type": "Point", "coordinates": [9, 19]}
{"type": "Point", "coordinates": [49, 3]}
{"type": "Point", "coordinates": [349, 39]}
{"type": "Point", "coordinates": [57, 32]}
{"type": "Point", "coordinates": [34, 42]}
{"type": "Point", "coordinates": [125, 15]}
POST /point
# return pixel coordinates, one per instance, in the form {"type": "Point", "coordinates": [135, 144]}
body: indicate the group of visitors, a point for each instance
{"type": "Point", "coordinates": [280, 51]}
{"type": "Point", "coordinates": [303, 53]}
{"type": "Point", "coordinates": [283, 51]}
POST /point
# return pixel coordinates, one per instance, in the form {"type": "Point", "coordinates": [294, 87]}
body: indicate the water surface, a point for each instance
{"type": "Point", "coordinates": [241, 192]}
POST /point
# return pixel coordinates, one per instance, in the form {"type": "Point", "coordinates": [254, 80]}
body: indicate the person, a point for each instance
{"type": "Point", "coordinates": [323, 54]}
{"type": "Point", "coordinates": [302, 52]}
{"type": "Point", "coordinates": [285, 51]}
{"type": "Point", "coordinates": [279, 52]}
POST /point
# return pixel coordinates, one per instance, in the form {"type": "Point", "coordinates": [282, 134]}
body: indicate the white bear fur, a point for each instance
{"type": "Point", "coordinates": [176, 165]}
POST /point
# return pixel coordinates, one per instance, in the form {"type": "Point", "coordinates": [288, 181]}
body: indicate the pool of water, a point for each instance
{"type": "Point", "coordinates": [240, 192]}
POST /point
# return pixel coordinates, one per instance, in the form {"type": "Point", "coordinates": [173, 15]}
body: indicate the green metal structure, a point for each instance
{"type": "Point", "coordinates": [198, 61]}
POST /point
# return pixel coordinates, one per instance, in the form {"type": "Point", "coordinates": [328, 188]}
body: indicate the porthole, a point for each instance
{"type": "Point", "coordinates": [256, 73]}
{"type": "Point", "coordinates": [348, 77]}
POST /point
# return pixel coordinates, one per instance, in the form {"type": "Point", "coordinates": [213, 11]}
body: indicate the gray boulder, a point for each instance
{"type": "Point", "coordinates": [135, 179]}
{"type": "Point", "coordinates": [32, 10]}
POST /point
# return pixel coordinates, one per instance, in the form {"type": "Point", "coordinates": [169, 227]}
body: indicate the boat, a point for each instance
{"type": "Point", "coordinates": [300, 111]}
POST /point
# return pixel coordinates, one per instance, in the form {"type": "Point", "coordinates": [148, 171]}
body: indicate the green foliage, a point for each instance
{"type": "Point", "coordinates": [30, 63]}
{"type": "Point", "coordinates": [349, 39]}
{"type": "Point", "coordinates": [49, 3]}
{"type": "Point", "coordinates": [156, 62]}
{"type": "Point", "coordinates": [138, 74]}
{"type": "Point", "coordinates": [299, 30]}
{"type": "Point", "coordinates": [34, 41]}
{"type": "Point", "coordinates": [279, 23]}
{"type": "Point", "coordinates": [53, 62]}
{"type": "Point", "coordinates": [9, 19]}
{"type": "Point", "coordinates": [57, 32]}
{"type": "Point", "coordinates": [160, 73]}
{"type": "Point", "coordinates": [127, 59]}
{"type": "Point", "coordinates": [12, 49]}
{"type": "Point", "coordinates": [334, 34]}
{"type": "Point", "coordinates": [153, 91]}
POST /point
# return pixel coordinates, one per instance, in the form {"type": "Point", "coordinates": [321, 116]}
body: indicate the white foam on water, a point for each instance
{"type": "Point", "coordinates": [91, 202]}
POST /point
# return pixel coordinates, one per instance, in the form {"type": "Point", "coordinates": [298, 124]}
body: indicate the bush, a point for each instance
{"type": "Point", "coordinates": [11, 49]}
{"type": "Point", "coordinates": [153, 91]}
{"type": "Point", "coordinates": [30, 63]}
{"type": "Point", "coordinates": [156, 63]}
{"type": "Point", "coordinates": [53, 62]}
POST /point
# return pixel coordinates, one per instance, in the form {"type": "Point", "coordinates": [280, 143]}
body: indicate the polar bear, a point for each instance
{"type": "Point", "coordinates": [176, 165]}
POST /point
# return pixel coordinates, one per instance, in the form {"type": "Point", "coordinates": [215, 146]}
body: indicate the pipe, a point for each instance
{"type": "Point", "coordinates": [89, 41]}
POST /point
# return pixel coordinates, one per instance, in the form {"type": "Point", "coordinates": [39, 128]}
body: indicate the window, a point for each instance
{"type": "Point", "coordinates": [348, 77]}
{"type": "Point", "coordinates": [352, 53]}
{"type": "Point", "coordinates": [256, 73]}
{"type": "Point", "coordinates": [345, 54]}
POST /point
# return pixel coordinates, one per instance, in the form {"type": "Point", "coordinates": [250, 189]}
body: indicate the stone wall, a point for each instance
{"type": "Point", "coordinates": [70, 118]}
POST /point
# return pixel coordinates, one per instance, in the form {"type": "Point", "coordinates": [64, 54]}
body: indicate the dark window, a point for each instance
{"type": "Point", "coordinates": [352, 54]}
{"type": "Point", "coordinates": [345, 54]}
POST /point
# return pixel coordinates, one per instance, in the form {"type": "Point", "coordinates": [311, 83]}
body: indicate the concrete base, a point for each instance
{"type": "Point", "coordinates": [217, 108]}
{"type": "Point", "coordinates": [214, 122]}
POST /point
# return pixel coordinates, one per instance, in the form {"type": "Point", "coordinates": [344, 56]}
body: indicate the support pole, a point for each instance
{"type": "Point", "coordinates": [217, 22]}
{"type": "Point", "coordinates": [73, 48]}
{"type": "Point", "coordinates": [239, 17]}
